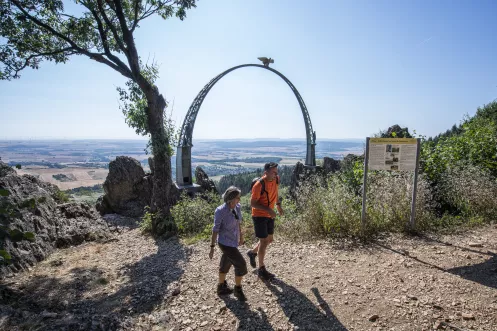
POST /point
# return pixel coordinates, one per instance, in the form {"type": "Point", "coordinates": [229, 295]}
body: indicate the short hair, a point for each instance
{"type": "Point", "coordinates": [231, 193]}
{"type": "Point", "coordinates": [270, 165]}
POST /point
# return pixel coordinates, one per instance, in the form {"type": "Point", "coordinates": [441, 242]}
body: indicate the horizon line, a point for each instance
{"type": "Point", "coordinates": [141, 139]}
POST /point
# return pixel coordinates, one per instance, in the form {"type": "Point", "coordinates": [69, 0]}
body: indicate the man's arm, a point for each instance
{"type": "Point", "coordinates": [254, 203]}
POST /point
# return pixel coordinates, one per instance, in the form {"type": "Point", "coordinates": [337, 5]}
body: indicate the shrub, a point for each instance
{"type": "Point", "coordinates": [146, 221]}
{"type": "Point", "coordinates": [194, 216]}
{"type": "Point", "coordinates": [60, 196]}
{"type": "Point", "coordinates": [322, 208]}
{"type": "Point", "coordinates": [333, 208]}
{"type": "Point", "coordinates": [389, 199]}
{"type": "Point", "coordinates": [471, 190]}
{"type": "Point", "coordinates": [476, 145]}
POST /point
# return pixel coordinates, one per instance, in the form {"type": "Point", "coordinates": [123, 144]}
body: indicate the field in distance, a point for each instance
{"type": "Point", "coordinates": [75, 163]}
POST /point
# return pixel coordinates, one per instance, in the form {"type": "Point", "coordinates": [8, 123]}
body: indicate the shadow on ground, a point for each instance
{"type": "Point", "coordinates": [484, 273]}
{"type": "Point", "coordinates": [247, 319]}
{"type": "Point", "coordinates": [302, 312]}
{"type": "Point", "coordinates": [47, 303]}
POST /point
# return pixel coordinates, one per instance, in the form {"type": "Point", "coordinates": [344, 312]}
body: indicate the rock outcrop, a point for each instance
{"type": "Point", "coordinates": [127, 188]}
{"type": "Point", "coordinates": [203, 180]}
{"type": "Point", "coordinates": [300, 174]}
{"type": "Point", "coordinates": [330, 165]}
{"type": "Point", "coordinates": [396, 131]}
{"type": "Point", "coordinates": [30, 205]}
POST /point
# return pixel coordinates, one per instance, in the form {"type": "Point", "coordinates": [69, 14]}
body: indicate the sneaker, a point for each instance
{"type": "Point", "coordinates": [238, 292]}
{"type": "Point", "coordinates": [252, 257]}
{"type": "Point", "coordinates": [264, 274]}
{"type": "Point", "coordinates": [223, 289]}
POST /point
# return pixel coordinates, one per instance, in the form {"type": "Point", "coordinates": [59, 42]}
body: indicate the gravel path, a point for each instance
{"type": "Point", "coordinates": [136, 283]}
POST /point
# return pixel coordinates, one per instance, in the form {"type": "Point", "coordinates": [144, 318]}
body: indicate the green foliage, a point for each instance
{"type": "Point", "coordinates": [18, 166]}
{"type": "Point", "coordinates": [321, 210]}
{"type": "Point", "coordinates": [34, 31]}
{"type": "Point", "coordinates": [13, 235]}
{"type": "Point", "coordinates": [60, 196]}
{"type": "Point", "coordinates": [245, 160]}
{"type": "Point", "coordinates": [195, 216]}
{"type": "Point", "coordinates": [146, 221]}
{"type": "Point", "coordinates": [4, 192]}
{"type": "Point", "coordinates": [352, 173]}
{"type": "Point", "coordinates": [475, 145]}
{"type": "Point", "coordinates": [134, 105]}
{"type": "Point", "coordinates": [489, 112]}
{"type": "Point", "coordinates": [395, 131]}
{"type": "Point", "coordinates": [29, 203]}
{"type": "Point", "coordinates": [86, 190]}
{"type": "Point", "coordinates": [244, 180]}
{"type": "Point", "coordinates": [332, 208]}
{"type": "Point", "coordinates": [471, 190]}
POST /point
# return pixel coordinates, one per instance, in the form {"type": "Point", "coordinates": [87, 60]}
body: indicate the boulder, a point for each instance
{"type": "Point", "coordinates": [397, 132]}
{"type": "Point", "coordinates": [204, 181]}
{"type": "Point", "coordinates": [127, 188]}
{"type": "Point", "coordinates": [28, 204]}
{"type": "Point", "coordinates": [330, 165]}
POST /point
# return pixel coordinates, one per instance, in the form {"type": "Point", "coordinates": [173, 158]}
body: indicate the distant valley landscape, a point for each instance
{"type": "Point", "coordinates": [71, 164]}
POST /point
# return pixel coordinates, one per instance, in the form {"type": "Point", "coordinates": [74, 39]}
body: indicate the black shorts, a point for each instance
{"type": "Point", "coordinates": [232, 256]}
{"type": "Point", "coordinates": [263, 226]}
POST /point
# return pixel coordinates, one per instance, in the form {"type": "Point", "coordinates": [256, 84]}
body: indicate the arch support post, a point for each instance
{"type": "Point", "coordinates": [184, 166]}
{"type": "Point", "coordinates": [310, 159]}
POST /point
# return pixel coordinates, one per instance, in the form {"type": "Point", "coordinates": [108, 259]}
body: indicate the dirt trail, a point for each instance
{"type": "Point", "coordinates": [136, 283]}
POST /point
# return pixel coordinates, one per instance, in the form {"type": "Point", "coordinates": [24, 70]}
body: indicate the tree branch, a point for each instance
{"type": "Point", "coordinates": [26, 62]}
{"type": "Point", "coordinates": [105, 43]}
{"type": "Point", "coordinates": [111, 27]}
{"type": "Point", "coordinates": [133, 57]}
{"type": "Point", "coordinates": [94, 56]}
{"type": "Point", "coordinates": [135, 23]}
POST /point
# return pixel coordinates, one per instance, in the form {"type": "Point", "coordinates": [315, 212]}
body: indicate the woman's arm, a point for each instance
{"type": "Point", "coordinates": [213, 243]}
{"type": "Point", "coordinates": [215, 231]}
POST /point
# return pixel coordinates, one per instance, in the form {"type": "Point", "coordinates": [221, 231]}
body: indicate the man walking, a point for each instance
{"type": "Point", "coordinates": [264, 198]}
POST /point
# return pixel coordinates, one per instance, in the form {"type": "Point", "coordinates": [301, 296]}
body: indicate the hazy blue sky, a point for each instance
{"type": "Point", "coordinates": [360, 66]}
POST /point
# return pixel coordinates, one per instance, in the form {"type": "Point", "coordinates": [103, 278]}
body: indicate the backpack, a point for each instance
{"type": "Point", "coordinates": [263, 186]}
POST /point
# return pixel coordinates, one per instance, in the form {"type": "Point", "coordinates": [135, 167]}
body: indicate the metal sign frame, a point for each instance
{"type": "Point", "coordinates": [414, 189]}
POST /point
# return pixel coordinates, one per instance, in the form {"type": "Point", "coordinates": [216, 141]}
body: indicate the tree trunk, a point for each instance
{"type": "Point", "coordinates": [162, 176]}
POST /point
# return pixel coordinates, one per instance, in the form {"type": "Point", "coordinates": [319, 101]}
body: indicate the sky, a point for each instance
{"type": "Point", "coordinates": [360, 66]}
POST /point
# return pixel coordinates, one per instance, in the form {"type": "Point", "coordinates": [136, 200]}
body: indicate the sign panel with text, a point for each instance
{"type": "Point", "coordinates": [397, 154]}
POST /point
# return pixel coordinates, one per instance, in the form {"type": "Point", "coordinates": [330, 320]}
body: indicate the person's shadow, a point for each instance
{"type": "Point", "coordinates": [301, 311]}
{"type": "Point", "coordinates": [247, 319]}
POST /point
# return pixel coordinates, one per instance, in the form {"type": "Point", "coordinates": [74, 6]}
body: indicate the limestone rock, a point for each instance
{"type": "Point", "coordinates": [33, 206]}
{"type": "Point", "coordinates": [127, 189]}
{"type": "Point", "coordinates": [330, 165]}
{"type": "Point", "coordinates": [204, 181]}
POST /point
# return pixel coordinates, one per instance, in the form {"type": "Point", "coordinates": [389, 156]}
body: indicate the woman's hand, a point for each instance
{"type": "Point", "coordinates": [241, 241]}
{"type": "Point", "coordinates": [211, 253]}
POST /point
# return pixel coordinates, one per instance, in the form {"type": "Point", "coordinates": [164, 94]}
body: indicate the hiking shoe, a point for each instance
{"type": "Point", "coordinates": [238, 292]}
{"type": "Point", "coordinates": [252, 257]}
{"type": "Point", "coordinates": [264, 274]}
{"type": "Point", "coordinates": [223, 289]}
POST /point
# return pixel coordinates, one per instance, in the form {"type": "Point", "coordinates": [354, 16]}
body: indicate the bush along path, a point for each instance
{"type": "Point", "coordinates": [136, 283]}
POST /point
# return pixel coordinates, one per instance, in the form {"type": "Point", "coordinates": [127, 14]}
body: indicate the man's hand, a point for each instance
{"type": "Point", "coordinates": [241, 241]}
{"type": "Point", "coordinates": [272, 213]}
{"type": "Point", "coordinates": [280, 210]}
{"type": "Point", "coordinates": [211, 253]}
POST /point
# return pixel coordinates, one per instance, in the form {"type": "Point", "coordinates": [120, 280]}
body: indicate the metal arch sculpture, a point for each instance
{"type": "Point", "coordinates": [183, 155]}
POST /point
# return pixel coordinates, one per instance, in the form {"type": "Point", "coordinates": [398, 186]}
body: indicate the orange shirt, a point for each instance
{"type": "Point", "coordinates": [272, 191]}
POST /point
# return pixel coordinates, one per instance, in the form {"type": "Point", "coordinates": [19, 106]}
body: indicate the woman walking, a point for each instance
{"type": "Point", "coordinates": [227, 231]}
